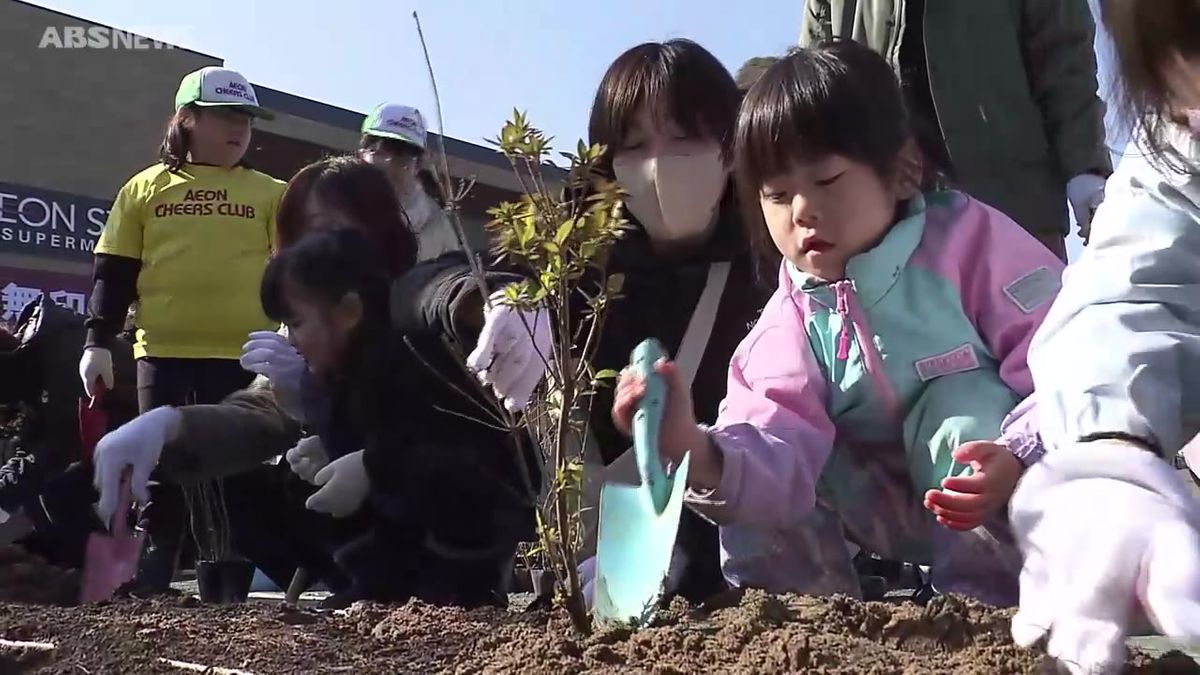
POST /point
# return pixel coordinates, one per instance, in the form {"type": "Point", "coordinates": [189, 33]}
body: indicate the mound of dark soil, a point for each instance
{"type": "Point", "coordinates": [754, 632]}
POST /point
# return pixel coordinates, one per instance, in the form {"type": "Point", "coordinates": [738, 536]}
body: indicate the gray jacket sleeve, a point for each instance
{"type": "Point", "coordinates": [1057, 41]}
{"type": "Point", "coordinates": [245, 430]}
{"type": "Point", "coordinates": [1119, 352]}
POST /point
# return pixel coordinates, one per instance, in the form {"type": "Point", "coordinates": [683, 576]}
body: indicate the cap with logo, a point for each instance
{"type": "Point", "coordinates": [219, 87]}
{"type": "Point", "coordinates": [401, 122]}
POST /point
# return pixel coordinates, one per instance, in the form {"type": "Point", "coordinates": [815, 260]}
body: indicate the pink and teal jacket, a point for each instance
{"type": "Point", "coordinates": [955, 286]}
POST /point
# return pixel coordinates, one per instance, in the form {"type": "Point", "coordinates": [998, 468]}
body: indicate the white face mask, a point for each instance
{"type": "Point", "coordinates": [674, 197]}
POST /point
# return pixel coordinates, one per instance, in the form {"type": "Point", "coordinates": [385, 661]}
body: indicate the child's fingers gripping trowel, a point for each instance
{"type": "Point", "coordinates": [638, 523]}
{"type": "Point", "coordinates": [111, 560]}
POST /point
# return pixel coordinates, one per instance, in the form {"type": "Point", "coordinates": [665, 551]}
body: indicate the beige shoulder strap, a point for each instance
{"type": "Point", "coordinates": [699, 329]}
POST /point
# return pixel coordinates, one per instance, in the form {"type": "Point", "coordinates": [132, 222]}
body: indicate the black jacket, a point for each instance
{"type": "Point", "coordinates": [427, 463]}
{"type": "Point", "coordinates": [43, 373]}
{"type": "Point", "coordinates": [435, 462]}
{"type": "Point", "coordinates": [657, 298]}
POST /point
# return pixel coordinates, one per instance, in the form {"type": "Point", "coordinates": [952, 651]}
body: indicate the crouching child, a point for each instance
{"type": "Point", "coordinates": [430, 502]}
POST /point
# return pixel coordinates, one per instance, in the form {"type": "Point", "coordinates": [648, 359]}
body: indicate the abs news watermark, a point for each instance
{"type": "Point", "coordinates": [103, 37]}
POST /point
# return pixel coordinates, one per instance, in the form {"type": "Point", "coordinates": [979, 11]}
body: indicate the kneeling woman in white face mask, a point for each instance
{"type": "Point", "coordinates": [394, 139]}
{"type": "Point", "coordinates": [666, 113]}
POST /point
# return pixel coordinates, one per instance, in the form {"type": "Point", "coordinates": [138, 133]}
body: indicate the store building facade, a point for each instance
{"type": "Point", "coordinates": [76, 123]}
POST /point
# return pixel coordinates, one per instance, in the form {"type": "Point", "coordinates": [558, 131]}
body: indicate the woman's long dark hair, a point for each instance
{"type": "Point", "coordinates": [177, 140]}
{"type": "Point", "coordinates": [352, 193]}
{"type": "Point", "coordinates": [1147, 36]}
{"type": "Point", "coordinates": [326, 266]}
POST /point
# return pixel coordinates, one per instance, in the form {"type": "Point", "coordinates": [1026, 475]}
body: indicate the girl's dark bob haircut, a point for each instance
{"type": "Point", "coordinates": [838, 98]}
{"type": "Point", "coordinates": [677, 79]}
{"type": "Point", "coordinates": [1148, 37]}
{"type": "Point", "coordinates": [348, 192]}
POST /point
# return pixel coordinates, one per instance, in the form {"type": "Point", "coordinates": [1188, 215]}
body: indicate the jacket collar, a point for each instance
{"type": "Point", "coordinates": [874, 272]}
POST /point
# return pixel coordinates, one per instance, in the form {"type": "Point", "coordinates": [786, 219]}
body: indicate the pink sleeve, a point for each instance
{"type": "Point", "coordinates": [773, 430]}
{"type": "Point", "coordinates": [1006, 278]}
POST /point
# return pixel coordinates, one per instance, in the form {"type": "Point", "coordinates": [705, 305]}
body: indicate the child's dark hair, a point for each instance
{"type": "Point", "coordinates": [1148, 35]}
{"type": "Point", "coordinates": [327, 265]}
{"type": "Point", "coordinates": [838, 98]}
{"type": "Point", "coordinates": [398, 148]}
{"type": "Point", "coordinates": [681, 79]}
{"type": "Point", "coordinates": [351, 193]}
{"type": "Point", "coordinates": [177, 140]}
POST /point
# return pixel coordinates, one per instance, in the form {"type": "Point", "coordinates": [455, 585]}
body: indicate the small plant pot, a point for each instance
{"type": "Point", "coordinates": [542, 582]}
{"type": "Point", "coordinates": [521, 581]}
{"type": "Point", "coordinates": [224, 582]}
{"type": "Point", "coordinates": [874, 588]}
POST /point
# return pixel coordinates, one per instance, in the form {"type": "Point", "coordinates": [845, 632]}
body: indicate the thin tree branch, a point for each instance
{"type": "Point", "coordinates": [471, 419]}
{"type": "Point", "coordinates": [449, 383]}
{"type": "Point", "coordinates": [476, 265]}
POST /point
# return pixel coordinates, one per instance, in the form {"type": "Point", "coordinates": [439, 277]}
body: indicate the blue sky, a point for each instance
{"type": "Point", "coordinates": [543, 56]}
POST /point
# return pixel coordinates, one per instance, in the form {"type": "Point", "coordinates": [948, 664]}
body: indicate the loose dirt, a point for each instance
{"type": "Point", "coordinates": [750, 632]}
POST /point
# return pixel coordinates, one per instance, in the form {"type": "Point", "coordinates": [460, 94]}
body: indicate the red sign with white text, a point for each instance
{"type": "Point", "coordinates": [19, 287]}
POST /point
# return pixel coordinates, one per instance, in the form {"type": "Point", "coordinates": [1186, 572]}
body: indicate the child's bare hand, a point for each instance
{"type": "Point", "coordinates": [965, 502]}
{"type": "Point", "coordinates": [679, 432]}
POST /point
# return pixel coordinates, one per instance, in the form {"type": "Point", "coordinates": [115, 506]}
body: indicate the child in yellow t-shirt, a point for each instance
{"type": "Point", "coordinates": [189, 239]}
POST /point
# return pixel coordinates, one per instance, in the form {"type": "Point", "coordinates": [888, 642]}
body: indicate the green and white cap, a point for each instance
{"type": "Point", "coordinates": [401, 122]}
{"type": "Point", "coordinates": [219, 87]}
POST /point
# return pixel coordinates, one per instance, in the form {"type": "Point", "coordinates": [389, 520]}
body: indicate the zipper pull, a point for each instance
{"type": "Point", "coordinates": [843, 352]}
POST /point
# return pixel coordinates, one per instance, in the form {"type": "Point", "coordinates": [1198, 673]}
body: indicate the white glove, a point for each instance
{"type": "Point", "coordinates": [1085, 192]}
{"type": "Point", "coordinates": [307, 458]}
{"type": "Point", "coordinates": [344, 486]}
{"type": "Point", "coordinates": [136, 445]}
{"type": "Point", "coordinates": [1110, 535]}
{"type": "Point", "coordinates": [587, 575]}
{"type": "Point", "coordinates": [96, 364]}
{"type": "Point", "coordinates": [513, 351]}
{"type": "Point", "coordinates": [270, 354]}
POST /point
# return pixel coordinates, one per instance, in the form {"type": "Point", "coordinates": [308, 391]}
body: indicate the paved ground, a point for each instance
{"type": "Point", "coordinates": [306, 599]}
{"type": "Point", "coordinates": [1156, 644]}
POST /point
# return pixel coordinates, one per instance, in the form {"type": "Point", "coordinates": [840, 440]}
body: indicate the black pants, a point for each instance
{"type": "Point", "coordinates": [63, 517]}
{"type": "Point", "coordinates": [381, 560]}
{"type": "Point", "coordinates": [272, 528]}
{"type": "Point", "coordinates": [175, 382]}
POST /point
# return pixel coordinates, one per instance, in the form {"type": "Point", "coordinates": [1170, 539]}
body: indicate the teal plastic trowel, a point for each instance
{"type": "Point", "coordinates": [638, 523]}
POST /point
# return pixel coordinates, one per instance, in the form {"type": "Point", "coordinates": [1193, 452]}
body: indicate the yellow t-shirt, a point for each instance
{"type": "Point", "coordinates": [203, 234]}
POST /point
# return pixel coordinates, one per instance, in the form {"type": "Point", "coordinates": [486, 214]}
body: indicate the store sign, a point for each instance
{"type": "Point", "coordinates": [44, 222]}
{"type": "Point", "coordinates": [19, 287]}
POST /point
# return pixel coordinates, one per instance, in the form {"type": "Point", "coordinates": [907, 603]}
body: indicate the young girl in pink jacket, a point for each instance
{"type": "Point", "coordinates": [864, 404]}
